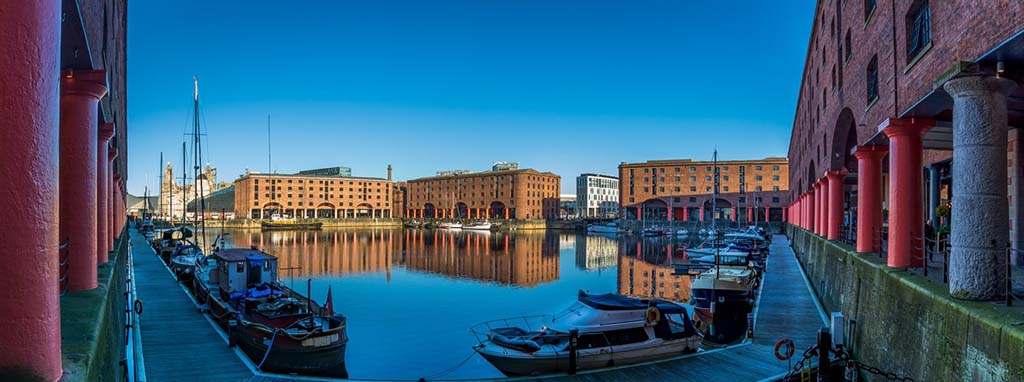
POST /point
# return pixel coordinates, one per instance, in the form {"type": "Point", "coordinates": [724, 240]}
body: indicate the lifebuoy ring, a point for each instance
{"type": "Point", "coordinates": [789, 349]}
{"type": "Point", "coordinates": [138, 307]}
{"type": "Point", "coordinates": [653, 315]}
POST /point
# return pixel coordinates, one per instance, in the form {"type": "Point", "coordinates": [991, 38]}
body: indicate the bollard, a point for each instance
{"type": "Point", "coordinates": [574, 336]}
{"type": "Point", "coordinates": [824, 348]}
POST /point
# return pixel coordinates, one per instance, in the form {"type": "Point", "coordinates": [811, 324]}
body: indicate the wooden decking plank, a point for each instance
{"type": "Point", "coordinates": [177, 342]}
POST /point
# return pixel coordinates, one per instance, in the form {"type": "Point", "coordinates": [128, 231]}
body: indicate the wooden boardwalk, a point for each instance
{"type": "Point", "coordinates": [180, 344]}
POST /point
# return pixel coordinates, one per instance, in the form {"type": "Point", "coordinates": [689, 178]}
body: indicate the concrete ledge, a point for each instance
{"type": "Point", "coordinates": [92, 324]}
{"type": "Point", "coordinates": [905, 323]}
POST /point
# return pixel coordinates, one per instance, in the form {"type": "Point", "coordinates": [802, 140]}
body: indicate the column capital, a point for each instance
{"type": "Point", "coordinates": [106, 131]}
{"type": "Point", "coordinates": [817, 185]}
{"type": "Point", "coordinates": [978, 86]}
{"type": "Point", "coordinates": [835, 175]}
{"type": "Point", "coordinates": [83, 82]}
{"type": "Point", "coordinates": [905, 127]}
{"type": "Point", "coordinates": [871, 152]}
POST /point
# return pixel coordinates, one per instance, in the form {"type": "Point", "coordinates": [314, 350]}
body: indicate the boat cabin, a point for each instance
{"type": "Point", "coordinates": [238, 269]}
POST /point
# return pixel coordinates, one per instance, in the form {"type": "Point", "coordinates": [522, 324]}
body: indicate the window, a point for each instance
{"type": "Point", "coordinates": [693, 178]}
{"type": "Point", "coordinates": [869, 7]}
{"type": "Point", "coordinates": [693, 200]}
{"type": "Point", "coordinates": [776, 198]}
{"type": "Point", "coordinates": [726, 189]}
{"type": "Point", "coordinates": [758, 168]}
{"type": "Point", "coordinates": [919, 28]}
{"type": "Point", "coordinates": [849, 49]}
{"type": "Point", "coordinates": [693, 189]}
{"type": "Point", "coordinates": [775, 177]}
{"type": "Point", "coordinates": [693, 169]}
{"type": "Point", "coordinates": [758, 177]}
{"type": "Point", "coordinates": [873, 79]}
{"type": "Point", "coordinates": [775, 168]}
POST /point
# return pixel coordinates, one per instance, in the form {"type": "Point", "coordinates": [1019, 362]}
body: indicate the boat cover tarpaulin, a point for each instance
{"type": "Point", "coordinates": [611, 301]}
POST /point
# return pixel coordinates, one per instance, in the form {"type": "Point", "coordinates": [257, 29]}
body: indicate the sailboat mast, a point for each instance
{"type": "Point", "coordinates": [197, 151]}
{"type": "Point", "coordinates": [184, 181]}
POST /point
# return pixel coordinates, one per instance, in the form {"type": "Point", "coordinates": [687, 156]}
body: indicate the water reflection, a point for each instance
{"type": "Point", "coordinates": [646, 269]}
{"type": "Point", "coordinates": [451, 280]}
{"type": "Point", "coordinates": [528, 260]}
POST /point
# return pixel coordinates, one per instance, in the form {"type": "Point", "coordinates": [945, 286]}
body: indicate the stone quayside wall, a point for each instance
{"type": "Point", "coordinates": [904, 323]}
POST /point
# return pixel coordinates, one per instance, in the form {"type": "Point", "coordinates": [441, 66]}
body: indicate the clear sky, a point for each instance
{"type": "Point", "coordinates": [561, 86]}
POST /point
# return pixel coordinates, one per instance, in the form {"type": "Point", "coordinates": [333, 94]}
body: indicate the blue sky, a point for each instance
{"type": "Point", "coordinates": [562, 86]}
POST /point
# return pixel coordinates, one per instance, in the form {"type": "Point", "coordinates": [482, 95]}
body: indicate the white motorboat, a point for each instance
{"type": "Point", "coordinates": [682, 232]}
{"type": "Point", "coordinates": [611, 227]}
{"type": "Point", "coordinates": [450, 226]}
{"type": "Point", "coordinates": [613, 330]}
{"type": "Point", "coordinates": [478, 226]}
{"type": "Point", "coordinates": [655, 231]}
{"type": "Point", "coordinates": [703, 231]}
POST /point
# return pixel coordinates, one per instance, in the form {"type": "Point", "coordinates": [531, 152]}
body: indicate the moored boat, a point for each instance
{"type": "Point", "coordinates": [478, 226]}
{"type": "Point", "coordinates": [277, 222]}
{"type": "Point", "coordinates": [280, 330]}
{"type": "Point", "coordinates": [612, 330]}
{"type": "Point", "coordinates": [610, 227]}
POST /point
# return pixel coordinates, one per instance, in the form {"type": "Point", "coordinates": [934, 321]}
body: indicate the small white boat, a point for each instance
{"type": "Point", "coordinates": [703, 232]}
{"type": "Point", "coordinates": [654, 231]}
{"type": "Point", "coordinates": [450, 226]}
{"type": "Point", "coordinates": [613, 330]}
{"type": "Point", "coordinates": [479, 226]}
{"type": "Point", "coordinates": [611, 227]}
{"type": "Point", "coordinates": [682, 232]}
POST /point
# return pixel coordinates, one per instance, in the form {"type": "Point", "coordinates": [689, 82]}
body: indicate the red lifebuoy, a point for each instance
{"type": "Point", "coordinates": [138, 306]}
{"type": "Point", "coordinates": [790, 348]}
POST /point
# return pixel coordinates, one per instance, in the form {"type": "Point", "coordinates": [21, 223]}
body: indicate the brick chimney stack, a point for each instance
{"type": "Point", "coordinates": [389, 172]}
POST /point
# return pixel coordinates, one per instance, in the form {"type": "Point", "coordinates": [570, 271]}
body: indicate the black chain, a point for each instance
{"type": "Point", "coordinates": [797, 367]}
{"type": "Point", "coordinates": [844, 358]}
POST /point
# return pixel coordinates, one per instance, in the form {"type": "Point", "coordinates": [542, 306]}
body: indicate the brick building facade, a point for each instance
{"type": "Point", "coordinates": [681, 189]}
{"type": "Point", "coordinates": [312, 196]}
{"type": "Point", "coordinates": [501, 194]}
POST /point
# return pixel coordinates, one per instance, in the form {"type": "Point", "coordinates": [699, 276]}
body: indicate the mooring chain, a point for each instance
{"type": "Point", "coordinates": [797, 367]}
{"type": "Point", "coordinates": [876, 371]}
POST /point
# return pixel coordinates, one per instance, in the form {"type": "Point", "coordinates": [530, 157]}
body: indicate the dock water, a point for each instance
{"type": "Point", "coordinates": [181, 344]}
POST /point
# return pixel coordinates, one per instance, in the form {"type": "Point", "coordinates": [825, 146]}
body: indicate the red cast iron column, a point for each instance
{"type": "Point", "coordinates": [811, 213]}
{"type": "Point", "coordinates": [103, 192]}
{"type": "Point", "coordinates": [869, 197]}
{"type": "Point", "coordinates": [835, 203]}
{"type": "Point", "coordinates": [80, 93]}
{"type": "Point", "coordinates": [29, 102]}
{"type": "Point", "coordinates": [906, 224]}
{"type": "Point", "coordinates": [115, 229]}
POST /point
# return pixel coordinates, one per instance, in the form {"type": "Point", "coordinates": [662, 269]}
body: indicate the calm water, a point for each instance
{"type": "Point", "coordinates": [411, 295]}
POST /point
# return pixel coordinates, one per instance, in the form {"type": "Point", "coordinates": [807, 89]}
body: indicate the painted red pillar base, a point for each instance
{"type": "Point", "coordinates": [750, 215]}
{"type": "Point", "coordinates": [835, 204]}
{"type": "Point", "coordinates": [29, 101]}
{"type": "Point", "coordinates": [80, 94]}
{"type": "Point", "coordinates": [810, 210]}
{"type": "Point", "coordinates": [104, 226]}
{"type": "Point", "coordinates": [906, 224]}
{"type": "Point", "coordinates": [686, 214]}
{"type": "Point", "coordinates": [822, 208]}
{"type": "Point", "coordinates": [869, 197]}
{"type": "Point", "coordinates": [734, 213]}
{"type": "Point", "coordinates": [701, 216]}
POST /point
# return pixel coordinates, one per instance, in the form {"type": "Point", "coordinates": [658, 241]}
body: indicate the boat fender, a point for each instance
{"type": "Point", "coordinates": [653, 315]}
{"type": "Point", "coordinates": [786, 353]}
{"type": "Point", "coordinates": [138, 307]}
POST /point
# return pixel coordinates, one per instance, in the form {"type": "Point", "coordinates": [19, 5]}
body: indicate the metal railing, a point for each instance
{"type": "Point", "coordinates": [135, 369]}
{"type": "Point", "coordinates": [63, 253]}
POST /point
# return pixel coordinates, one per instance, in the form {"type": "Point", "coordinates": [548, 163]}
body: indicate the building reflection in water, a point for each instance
{"type": "Point", "coordinates": [646, 269]}
{"type": "Point", "coordinates": [521, 259]}
{"type": "Point", "coordinates": [595, 252]}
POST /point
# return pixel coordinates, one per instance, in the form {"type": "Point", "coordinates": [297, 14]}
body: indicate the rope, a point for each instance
{"type": "Point", "coordinates": [450, 369]}
{"type": "Point", "coordinates": [273, 336]}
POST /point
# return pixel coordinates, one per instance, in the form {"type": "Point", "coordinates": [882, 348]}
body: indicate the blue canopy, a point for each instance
{"type": "Point", "coordinates": [611, 301]}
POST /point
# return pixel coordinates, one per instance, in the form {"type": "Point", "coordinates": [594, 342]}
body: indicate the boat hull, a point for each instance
{"type": "Point", "coordinates": [729, 322]}
{"type": "Point", "coordinates": [520, 364]}
{"type": "Point", "coordinates": [291, 356]}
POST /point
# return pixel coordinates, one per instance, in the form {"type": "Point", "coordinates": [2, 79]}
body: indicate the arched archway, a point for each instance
{"type": "Point", "coordinates": [812, 175]}
{"type": "Point", "coordinates": [461, 210]}
{"type": "Point", "coordinates": [498, 211]}
{"type": "Point", "coordinates": [844, 142]}
{"type": "Point", "coordinates": [429, 211]}
{"type": "Point", "coordinates": [271, 208]}
{"type": "Point", "coordinates": [654, 210]}
{"type": "Point", "coordinates": [722, 209]}
{"type": "Point", "coordinates": [364, 210]}
{"type": "Point", "coordinates": [325, 211]}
